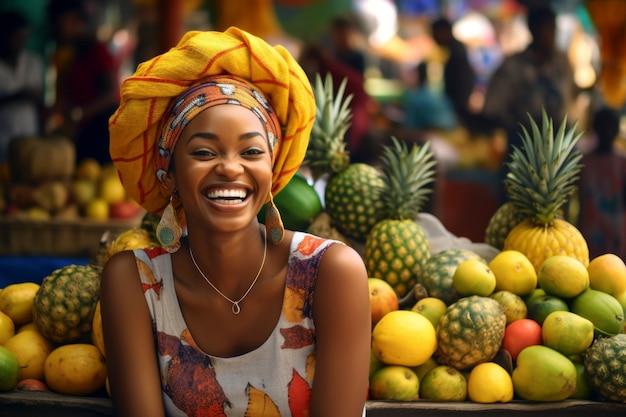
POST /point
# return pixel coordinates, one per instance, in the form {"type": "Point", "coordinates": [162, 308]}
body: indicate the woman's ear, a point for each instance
{"type": "Point", "coordinates": [169, 181]}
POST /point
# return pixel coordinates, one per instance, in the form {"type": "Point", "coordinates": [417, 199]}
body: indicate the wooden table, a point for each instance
{"type": "Point", "coordinates": [39, 403]}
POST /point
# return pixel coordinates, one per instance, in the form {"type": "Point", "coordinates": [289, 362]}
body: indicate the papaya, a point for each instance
{"type": "Point", "coordinates": [602, 309]}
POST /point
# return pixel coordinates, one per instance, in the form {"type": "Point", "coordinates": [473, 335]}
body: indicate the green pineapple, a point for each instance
{"type": "Point", "coordinates": [437, 274]}
{"type": "Point", "coordinates": [501, 223]}
{"type": "Point", "coordinates": [605, 367]}
{"type": "Point", "coordinates": [351, 195]}
{"type": "Point", "coordinates": [65, 303]}
{"type": "Point", "coordinates": [396, 248]}
{"type": "Point", "coordinates": [470, 332]}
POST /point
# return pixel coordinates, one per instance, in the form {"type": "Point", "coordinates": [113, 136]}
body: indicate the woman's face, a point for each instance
{"type": "Point", "coordinates": [222, 168]}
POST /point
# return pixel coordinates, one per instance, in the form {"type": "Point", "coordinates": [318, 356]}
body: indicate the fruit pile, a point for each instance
{"type": "Point", "coordinates": [51, 333]}
{"type": "Point", "coordinates": [512, 332]}
{"type": "Point", "coordinates": [87, 190]}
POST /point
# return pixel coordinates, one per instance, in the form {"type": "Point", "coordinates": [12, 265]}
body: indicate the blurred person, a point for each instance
{"type": "Point", "coordinates": [87, 85]}
{"type": "Point", "coordinates": [21, 83]}
{"type": "Point", "coordinates": [424, 107]}
{"type": "Point", "coordinates": [342, 32]}
{"type": "Point", "coordinates": [540, 76]}
{"type": "Point", "coordinates": [602, 189]}
{"type": "Point", "coordinates": [317, 59]}
{"type": "Point", "coordinates": [459, 76]}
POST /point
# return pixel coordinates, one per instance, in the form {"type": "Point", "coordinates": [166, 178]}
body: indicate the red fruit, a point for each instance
{"type": "Point", "coordinates": [31, 384]}
{"type": "Point", "coordinates": [124, 210]}
{"type": "Point", "coordinates": [520, 334]}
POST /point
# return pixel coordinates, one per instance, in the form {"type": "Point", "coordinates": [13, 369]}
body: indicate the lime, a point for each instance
{"type": "Point", "coordinates": [9, 370]}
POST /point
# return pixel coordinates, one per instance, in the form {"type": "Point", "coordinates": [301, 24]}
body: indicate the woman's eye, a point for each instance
{"type": "Point", "coordinates": [254, 151]}
{"type": "Point", "coordinates": [202, 152]}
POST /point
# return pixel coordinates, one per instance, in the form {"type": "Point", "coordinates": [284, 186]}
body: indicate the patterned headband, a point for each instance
{"type": "Point", "coordinates": [213, 91]}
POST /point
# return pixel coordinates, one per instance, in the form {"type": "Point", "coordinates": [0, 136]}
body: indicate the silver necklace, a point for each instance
{"type": "Point", "coordinates": [236, 309]}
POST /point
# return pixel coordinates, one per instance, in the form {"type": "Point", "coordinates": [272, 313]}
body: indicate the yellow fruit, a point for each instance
{"type": "Point", "coordinates": [375, 364]}
{"type": "Point", "coordinates": [7, 328]}
{"type": "Point", "coordinates": [75, 369]}
{"type": "Point", "coordinates": [474, 277]}
{"type": "Point", "coordinates": [567, 332]}
{"type": "Point", "coordinates": [563, 276]}
{"type": "Point", "coordinates": [394, 383]}
{"type": "Point", "coordinates": [404, 337]}
{"type": "Point", "coordinates": [28, 326]}
{"type": "Point", "coordinates": [514, 306]}
{"type": "Point", "coordinates": [489, 383]}
{"type": "Point", "coordinates": [423, 369]}
{"type": "Point", "coordinates": [111, 189]}
{"type": "Point", "coordinates": [97, 336]}
{"type": "Point", "coordinates": [607, 273]}
{"type": "Point", "coordinates": [97, 209]}
{"type": "Point", "coordinates": [16, 301]}
{"type": "Point", "coordinates": [443, 383]}
{"type": "Point", "coordinates": [88, 169]}
{"type": "Point", "coordinates": [514, 272]}
{"type": "Point", "coordinates": [432, 308]}
{"type": "Point", "coordinates": [31, 349]}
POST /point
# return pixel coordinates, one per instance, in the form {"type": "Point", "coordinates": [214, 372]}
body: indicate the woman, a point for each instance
{"type": "Point", "coordinates": [234, 318]}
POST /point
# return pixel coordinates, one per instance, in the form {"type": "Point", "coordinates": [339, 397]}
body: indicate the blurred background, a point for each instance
{"type": "Point", "coordinates": [418, 69]}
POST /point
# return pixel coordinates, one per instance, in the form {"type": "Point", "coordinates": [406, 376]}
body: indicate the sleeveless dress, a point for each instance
{"type": "Point", "coordinates": [273, 380]}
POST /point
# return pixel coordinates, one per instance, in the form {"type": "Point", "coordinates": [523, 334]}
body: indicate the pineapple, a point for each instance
{"type": "Point", "coordinates": [65, 303]}
{"type": "Point", "coordinates": [501, 223]}
{"type": "Point", "coordinates": [351, 195]}
{"type": "Point", "coordinates": [470, 332]}
{"type": "Point", "coordinates": [396, 248]}
{"type": "Point", "coordinates": [605, 367]}
{"type": "Point", "coordinates": [542, 175]}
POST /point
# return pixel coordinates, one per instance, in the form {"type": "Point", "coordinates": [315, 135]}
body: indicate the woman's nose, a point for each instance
{"type": "Point", "coordinates": [229, 166]}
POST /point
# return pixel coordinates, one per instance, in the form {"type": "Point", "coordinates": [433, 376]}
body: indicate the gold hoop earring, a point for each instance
{"type": "Point", "coordinates": [274, 227]}
{"type": "Point", "coordinates": [169, 231]}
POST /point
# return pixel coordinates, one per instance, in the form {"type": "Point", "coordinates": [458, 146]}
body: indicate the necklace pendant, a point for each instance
{"type": "Point", "coordinates": [236, 309]}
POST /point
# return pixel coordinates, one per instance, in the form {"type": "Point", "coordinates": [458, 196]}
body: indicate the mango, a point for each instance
{"type": "Point", "coordinates": [543, 374]}
{"type": "Point", "coordinates": [602, 309]}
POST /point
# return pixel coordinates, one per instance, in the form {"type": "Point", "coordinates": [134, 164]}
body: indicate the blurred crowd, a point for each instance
{"type": "Point", "coordinates": [450, 74]}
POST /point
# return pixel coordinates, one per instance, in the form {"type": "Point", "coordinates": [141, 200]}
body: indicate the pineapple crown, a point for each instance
{"type": "Point", "coordinates": [543, 172]}
{"type": "Point", "coordinates": [406, 174]}
{"type": "Point", "coordinates": [327, 152]}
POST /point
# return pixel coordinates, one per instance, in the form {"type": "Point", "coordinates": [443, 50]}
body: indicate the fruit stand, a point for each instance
{"type": "Point", "coordinates": [21, 404]}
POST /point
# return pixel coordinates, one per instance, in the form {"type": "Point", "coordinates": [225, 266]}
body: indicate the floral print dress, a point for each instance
{"type": "Point", "coordinates": [273, 380]}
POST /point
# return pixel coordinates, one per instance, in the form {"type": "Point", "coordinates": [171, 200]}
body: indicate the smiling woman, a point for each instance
{"type": "Point", "coordinates": [248, 319]}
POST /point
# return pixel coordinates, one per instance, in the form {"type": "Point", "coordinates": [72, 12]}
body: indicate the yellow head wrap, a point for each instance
{"type": "Point", "coordinates": [147, 95]}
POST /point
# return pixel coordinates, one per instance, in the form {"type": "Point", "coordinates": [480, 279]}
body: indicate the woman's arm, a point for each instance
{"type": "Point", "coordinates": [129, 342]}
{"type": "Point", "coordinates": [343, 330]}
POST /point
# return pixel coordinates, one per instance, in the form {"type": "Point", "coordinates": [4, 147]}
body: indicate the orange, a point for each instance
{"type": "Point", "coordinates": [607, 273]}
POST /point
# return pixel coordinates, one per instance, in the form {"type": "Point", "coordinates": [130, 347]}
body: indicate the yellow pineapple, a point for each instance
{"type": "Point", "coordinates": [542, 176]}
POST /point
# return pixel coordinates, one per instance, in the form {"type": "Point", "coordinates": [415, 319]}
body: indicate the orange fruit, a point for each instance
{"type": "Point", "coordinates": [607, 273]}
